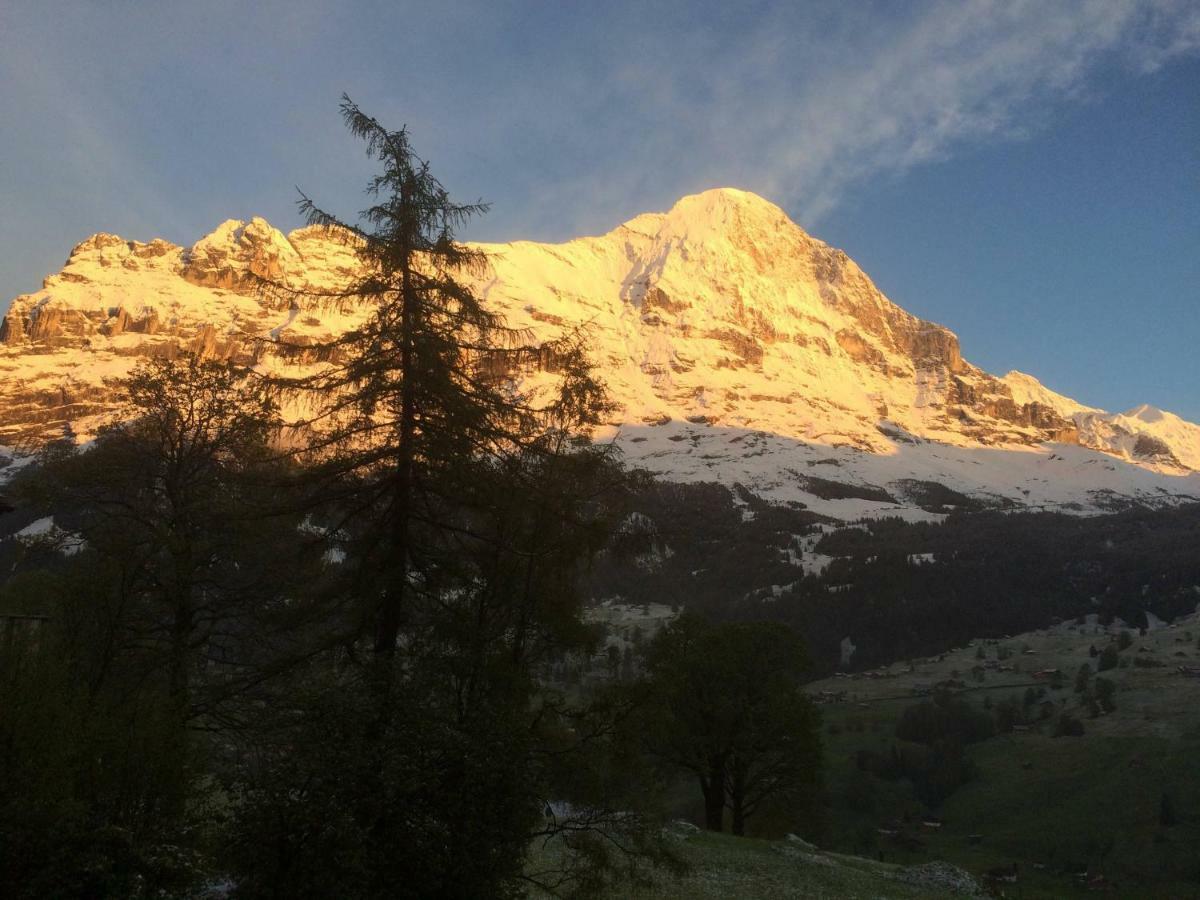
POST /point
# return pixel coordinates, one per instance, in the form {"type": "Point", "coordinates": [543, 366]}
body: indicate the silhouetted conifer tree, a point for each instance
{"type": "Point", "coordinates": [468, 508]}
{"type": "Point", "coordinates": [416, 400]}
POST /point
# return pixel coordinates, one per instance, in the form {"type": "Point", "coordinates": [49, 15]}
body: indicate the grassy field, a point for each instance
{"type": "Point", "coordinates": [1055, 806]}
{"type": "Point", "coordinates": [720, 867]}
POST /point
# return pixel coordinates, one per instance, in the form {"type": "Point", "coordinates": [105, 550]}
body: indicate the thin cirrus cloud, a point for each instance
{"type": "Point", "coordinates": [965, 72]}
{"type": "Point", "coordinates": [804, 117]}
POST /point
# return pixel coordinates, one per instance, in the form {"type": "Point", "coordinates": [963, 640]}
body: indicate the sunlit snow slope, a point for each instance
{"type": "Point", "coordinates": [740, 348]}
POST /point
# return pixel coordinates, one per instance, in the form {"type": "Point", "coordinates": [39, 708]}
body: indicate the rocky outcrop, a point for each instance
{"type": "Point", "coordinates": [931, 345]}
{"type": "Point", "coordinates": [12, 329]}
{"type": "Point", "coordinates": [238, 256]}
{"type": "Point", "coordinates": [34, 415]}
{"type": "Point", "coordinates": [1151, 448]}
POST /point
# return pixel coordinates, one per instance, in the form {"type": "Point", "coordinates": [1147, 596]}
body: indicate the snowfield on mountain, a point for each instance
{"type": "Point", "coordinates": [738, 348]}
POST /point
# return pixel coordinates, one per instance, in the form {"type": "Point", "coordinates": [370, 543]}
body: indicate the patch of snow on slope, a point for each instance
{"type": "Point", "coordinates": [37, 529]}
{"type": "Point", "coordinates": [45, 531]}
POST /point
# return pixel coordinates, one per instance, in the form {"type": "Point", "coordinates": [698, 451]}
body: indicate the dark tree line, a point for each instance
{"type": "Point", "coordinates": [307, 658]}
{"type": "Point", "coordinates": [993, 574]}
{"type": "Point", "coordinates": [984, 574]}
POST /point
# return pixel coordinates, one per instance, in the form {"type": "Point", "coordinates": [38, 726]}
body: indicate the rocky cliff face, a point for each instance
{"type": "Point", "coordinates": [713, 323]}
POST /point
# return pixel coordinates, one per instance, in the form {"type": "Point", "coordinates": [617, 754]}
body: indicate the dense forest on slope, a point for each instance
{"type": "Point", "coordinates": [901, 589]}
{"type": "Point", "coordinates": [991, 574]}
{"type": "Point", "coordinates": [896, 589]}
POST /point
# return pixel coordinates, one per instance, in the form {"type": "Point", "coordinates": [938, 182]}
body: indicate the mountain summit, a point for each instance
{"type": "Point", "coordinates": [739, 347]}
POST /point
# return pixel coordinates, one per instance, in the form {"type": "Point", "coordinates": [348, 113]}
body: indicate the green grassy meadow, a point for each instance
{"type": "Point", "coordinates": [1055, 806]}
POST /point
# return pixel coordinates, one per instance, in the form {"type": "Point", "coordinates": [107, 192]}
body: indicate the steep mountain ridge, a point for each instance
{"type": "Point", "coordinates": [739, 348]}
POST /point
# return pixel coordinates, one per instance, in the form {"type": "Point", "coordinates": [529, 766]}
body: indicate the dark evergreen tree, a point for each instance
{"type": "Point", "coordinates": [1068, 726]}
{"type": "Point", "coordinates": [423, 766]}
{"type": "Point", "coordinates": [1105, 694]}
{"type": "Point", "coordinates": [1083, 678]}
{"type": "Point", "coordinates": [417, 397]}
{"type": "Point", "coordinates": [1109, 658]}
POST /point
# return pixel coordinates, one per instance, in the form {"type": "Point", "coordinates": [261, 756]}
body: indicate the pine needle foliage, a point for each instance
{"type": "Point", "coordinates": [412, 402]}
{"type": "Point", "coordinates": [467, 507]}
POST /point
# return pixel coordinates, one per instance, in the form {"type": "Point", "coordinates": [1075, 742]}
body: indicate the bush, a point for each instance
{"type": "Point", "coordinates": [1068, 726]}
{"type": "Point", "coordinates": [1082, 678]}
{"type": "Point", "coordinates": [944, 717]}
{"type": "Point", "coordinates": [366, 800]}
{"type": "Point", "coordinates": [935, 771]}
{"type": "Point", "coordinates": [1109, 658]}
{"type": "Point", "coordinates": [1008, 713]}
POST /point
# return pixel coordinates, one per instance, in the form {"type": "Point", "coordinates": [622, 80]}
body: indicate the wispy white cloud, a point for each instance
{"type": "Point", "coordinates": [961, 73]}
{"type": "Point", "coordinates": [803, 109]}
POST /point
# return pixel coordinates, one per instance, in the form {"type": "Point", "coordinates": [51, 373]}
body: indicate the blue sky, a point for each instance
{"type": "Point", "coordinates": [1026, 173]}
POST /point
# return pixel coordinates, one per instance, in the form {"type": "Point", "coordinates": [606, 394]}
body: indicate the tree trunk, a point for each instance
{"type": "Point", "coordinates": [713, 787]}
{"type": "Point", "coordinates": [388, 627]}
{"type": "Point", "coordinates": [714, 807]}
{"type": "Point", "coordinates": [179, 664]}
{"type": "Point", "coordinates": [739, 821]}
{"type": "Point", "coordinates": [737, 799]}
{"type": "Point", "coordinates": [182, 625]}
{"type": "Point", "coordinates": [738, 825]}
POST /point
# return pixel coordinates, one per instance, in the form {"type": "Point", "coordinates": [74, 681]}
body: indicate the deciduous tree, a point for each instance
{"type": "Point", "coordinates": [732, 714]}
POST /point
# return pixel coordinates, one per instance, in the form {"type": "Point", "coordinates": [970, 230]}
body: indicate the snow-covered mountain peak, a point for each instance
{"type": "Point", "coordinates": [726, 214]}
{"type": "Point", "coordinates": [1149, 433]}
{"type": "Point", "coordinates": [1027, 389]}
{"type": "Point", "coordinates": [729, 231]}
{"type": "Point", "coordinates": [738, 347]}
{"type": "Point", "coordinates": [1150, 414]}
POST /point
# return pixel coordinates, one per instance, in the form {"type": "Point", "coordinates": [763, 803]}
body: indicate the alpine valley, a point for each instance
{"type": "Point", "coordinates": [739, 349]}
